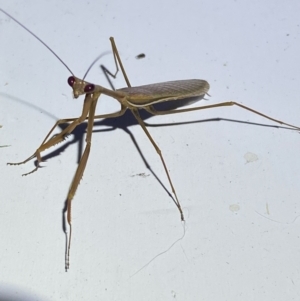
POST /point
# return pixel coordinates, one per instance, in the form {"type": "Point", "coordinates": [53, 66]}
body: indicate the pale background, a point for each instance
{"type": "Point", "coordinates": [238, 183]}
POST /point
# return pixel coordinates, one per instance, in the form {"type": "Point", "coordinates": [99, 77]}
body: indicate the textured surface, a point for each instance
{"type": "Point", "coordinates": [178, 89]}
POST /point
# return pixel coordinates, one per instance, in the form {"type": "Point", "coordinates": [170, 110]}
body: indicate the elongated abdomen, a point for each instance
{"type": "Point", "coordinates": [155, 93]}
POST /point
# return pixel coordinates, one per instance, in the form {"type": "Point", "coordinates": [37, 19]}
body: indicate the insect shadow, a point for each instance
{"type": "Point", "coordinates": [124, 122]}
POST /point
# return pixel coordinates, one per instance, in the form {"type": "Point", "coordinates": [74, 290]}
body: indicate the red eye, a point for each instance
{"type": "Point", "coordinates": [89, 88]}
{"type": "Point", "coordinates": [71, 81]}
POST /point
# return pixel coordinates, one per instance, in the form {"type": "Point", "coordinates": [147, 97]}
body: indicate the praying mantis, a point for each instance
{"type": "Point", "coordinates": [179, 93]}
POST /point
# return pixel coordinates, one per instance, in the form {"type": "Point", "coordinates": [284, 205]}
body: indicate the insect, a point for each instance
{"type": "Point", "coordinates": [140, 56]}
{"type": "Point", "coordinates": [176, 93]}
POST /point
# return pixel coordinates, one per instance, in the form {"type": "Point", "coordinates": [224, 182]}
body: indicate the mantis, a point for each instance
{"type": "Point", "coordinates": [177, 93]}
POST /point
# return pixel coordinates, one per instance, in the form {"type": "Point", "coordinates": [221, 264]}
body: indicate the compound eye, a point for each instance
{"type": "Point", "coordinates": [89, 88]}
{"type": "Point", "coordinates": [71, 81]}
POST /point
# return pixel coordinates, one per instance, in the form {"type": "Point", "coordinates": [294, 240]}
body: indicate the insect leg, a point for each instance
{"type": "Point", "coordinates": [153, 111]}
{"type": "Point", "coordinates": [79, 173]}
{"type": "Point", "coordinates": [140, 121]}
{"type": "Point", "coordinates": [59, 137]}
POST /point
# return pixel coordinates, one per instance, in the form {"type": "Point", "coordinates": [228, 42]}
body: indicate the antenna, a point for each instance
{"type": "Point", "coordinates": [37, 39]}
